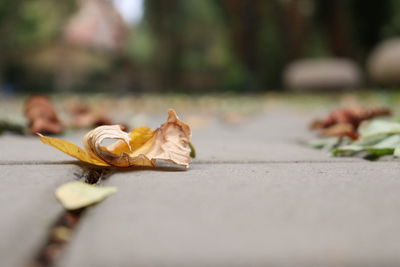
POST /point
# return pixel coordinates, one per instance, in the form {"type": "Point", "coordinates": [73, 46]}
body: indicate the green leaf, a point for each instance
{"type": "Point", "coordinates": [383, 147]}
{"type": "Point", "coordinates": [370, 140]}
{"type": "Point", "coordinates": [396, 152]}
{"type": "Point", "coordinates": [192, 151]}
{"type": "Point", "coordinates": [392, 141]}
{"type": "Point", "coordinates": [347, 150]}
{"type": "Point", "coordinates": [7, 126]}
{"type": "Point", "coordinates": [323, 142]}
{"type": "Point", "coordinates": [378, 127]}
{"type": "Point", "coordinates": [76, 195]}
{"type": "Point", "coordinates": [378, 152]}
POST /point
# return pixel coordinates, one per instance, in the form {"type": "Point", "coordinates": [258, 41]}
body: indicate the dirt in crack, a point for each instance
{"type": "Point", "coordinates": [62, 230]}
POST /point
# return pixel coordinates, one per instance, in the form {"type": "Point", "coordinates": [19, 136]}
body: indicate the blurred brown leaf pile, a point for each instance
{"type": "Point", "coordinates": [41, 116]}
{"type": "Point", "coordinates": [345, 121]}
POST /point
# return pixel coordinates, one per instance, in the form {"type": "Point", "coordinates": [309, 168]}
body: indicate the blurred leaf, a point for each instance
{"type": "Point", "coordinates": [380, 145]}
{"type": "Point", "coordinates": [77, 195]}
{"type": "Point", "coordinates": [62, 234]}
{"type": "Point", "coordinates": [324, 143]}
{"type": "Point", "coordinates": [7, 126]}
{"type": "Point", "coordinates": [396, 152]}
{"type": "Point", "coordinates": [377, 127]}
{"type": "Point", "coordinates": [192, 151]}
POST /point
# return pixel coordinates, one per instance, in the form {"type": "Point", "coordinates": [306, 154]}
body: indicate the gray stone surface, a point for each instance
{"type": "Point", "coordinates": [287, 214]}
{"type": "Point", "coordinates": [28, 208]}
{"type": "Point", "coordinates": [22, 149]}
{"type": "Point", "coordinates": [253, 197]}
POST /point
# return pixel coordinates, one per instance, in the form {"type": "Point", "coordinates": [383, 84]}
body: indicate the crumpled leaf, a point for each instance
{"type": "Point", "coordinates": [345, 121]}
{"type": "Point", "coordinates": [141, 147]}
{"type": "Point", "coordinates": [339, 130]}
{"type": "Point", "coordinates": [84, 116]}
{"type": "Point", "coordinates": [76, 195]}
{"type": "Point", "coordinates": [42, 116]}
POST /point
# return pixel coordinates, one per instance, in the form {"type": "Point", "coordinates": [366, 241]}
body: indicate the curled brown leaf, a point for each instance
{"type": "Point", "coordinates": [345, 121]}
{"type": "Point", "coordinates": [41, 116]}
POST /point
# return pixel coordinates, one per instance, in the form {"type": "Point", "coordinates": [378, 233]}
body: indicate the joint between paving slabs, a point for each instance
{"type": "Point", "coordinates": [62, 230]}
{"type": "Point", "coordinates": [203, 162]}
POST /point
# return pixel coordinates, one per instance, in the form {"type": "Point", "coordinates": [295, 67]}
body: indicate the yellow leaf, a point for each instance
{"type": "Point", "coordinates": [139, 137]}
{"type": "Point", "coordinates": [62, 234]}
{"type": "Point", "coordinates": [75, 195]}
{"type": "Point", "coordinates": [73, 150]}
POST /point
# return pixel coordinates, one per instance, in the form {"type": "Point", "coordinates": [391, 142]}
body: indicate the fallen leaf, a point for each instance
{"type": "Point", "coordinates": [141, 147]}
{"type": "Point", "coordinates": [61, 234]}
{"type": "Point", "coordinates": [8, 126]}
{"type": "Point", "coordinates": [327, 143]}
{"type": "Point", "coordinates": [340, 129]}
{"type": "Point", "coordinates": [75, 195]}
{"type": "Point", "coordinates": [84, 116]}
{"type": "Point", "coordinates": [41, 116]}
{"type": "Point", "coordinates": [377, 127]}
{"type": "Point", "coordinates": [73, 150]}
{"type": "Point", "coordinates": [396, 152]}
{"type": "Point", "coordinates": [377, 138]}
{"type": "Point", "coordinates": [345, 121]}
{"type": "Point", "coordinates": [192, 150]}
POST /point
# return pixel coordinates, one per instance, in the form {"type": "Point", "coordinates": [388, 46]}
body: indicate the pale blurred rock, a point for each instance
{"type": "Point", "coordinates": [384, 63]}
{"type": "Point", "coordinates": [322, 74]}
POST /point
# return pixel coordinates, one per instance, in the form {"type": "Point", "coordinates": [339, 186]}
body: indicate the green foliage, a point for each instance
{"type": "Point", "coordinates": [377, 138]}
{"type": "Point", "coordinates": [26, 24]}
{"type": "Point", "coordinates": [199, 45]}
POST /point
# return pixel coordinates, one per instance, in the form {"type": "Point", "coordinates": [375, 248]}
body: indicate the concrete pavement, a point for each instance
{"type": "Point", "coordinates": [253, 197]}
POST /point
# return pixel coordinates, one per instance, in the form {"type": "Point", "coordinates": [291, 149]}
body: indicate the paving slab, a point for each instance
{"type": "Point", "coordinates": [28, 208]}
{"type": "Point", "coordinates": [29, 150]}
{"type": "Point", "coordinates": [277, 214]}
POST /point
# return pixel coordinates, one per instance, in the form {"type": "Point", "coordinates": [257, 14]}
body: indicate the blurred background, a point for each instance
{"type": "Point", "coordinates": [197, 46]}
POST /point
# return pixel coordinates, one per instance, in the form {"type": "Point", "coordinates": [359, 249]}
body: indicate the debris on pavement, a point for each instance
{"type": "Point", "coordinates": [84, 116]}
{"type": "Point", "coordinates": [376, 138]}
{"type": "Point", "coordinates": [76, 195]}
{"type": "Point", "coordinates": [41, 115]}
{"type": "Point", "coordinates": [8, 126]}
{"type": "Point", "coordinates": [345, 121]}
{"type": "Point", "coordinates": [354, 132]}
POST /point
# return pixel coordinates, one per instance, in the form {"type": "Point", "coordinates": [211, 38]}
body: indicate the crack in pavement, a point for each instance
{"type": "Point", "coordinates": [201, 162]}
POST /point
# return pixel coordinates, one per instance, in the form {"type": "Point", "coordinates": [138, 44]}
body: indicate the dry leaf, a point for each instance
{"type": "Point", "coordinates": [61, 234]}
{"type": "Point", "coordinates": [340, 129]}
{"type": "Point", "coordinates": [75, 195]}
{"type": "Point", "coordinates": [345, 121]}
{"type": "Point", "coordinates": [41, 116]}
{"type": "Point", "coordinates": [141, 147]}
{"type": "Point", "coordinates": [84, 116]}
